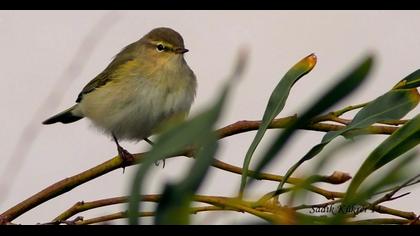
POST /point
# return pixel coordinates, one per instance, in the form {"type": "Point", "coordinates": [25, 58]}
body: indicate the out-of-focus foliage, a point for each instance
{"type": "Point", "coordinates": [197, 137]}
{"type": "Point", "coordinates": [337, 92]}
{"type": "Point", "coordinates": [198, 134]}
{"type": "Point", "coordinates": [275, 106]}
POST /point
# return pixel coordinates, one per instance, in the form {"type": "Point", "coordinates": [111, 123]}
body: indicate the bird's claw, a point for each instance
{"type": "Point", "coordinates": [158, 162]}
{"type": "Point", "coordinates": [127, 158]}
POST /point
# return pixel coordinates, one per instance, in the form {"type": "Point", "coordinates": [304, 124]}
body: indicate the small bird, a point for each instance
{"type": "Point", "coordinates": [145, 86]}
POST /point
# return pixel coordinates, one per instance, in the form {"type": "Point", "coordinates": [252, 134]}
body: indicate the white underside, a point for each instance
{"type": "Point", "coordinates": [132, 109]}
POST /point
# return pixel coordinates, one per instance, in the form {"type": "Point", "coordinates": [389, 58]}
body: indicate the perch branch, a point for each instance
{"type": "Point", "coordinates": [67, 184]}
{"type": "Point", "coordinates": [217, 202]}
{"type": "Point", "coordinates": [384, 221]}
{"type": "Point", "coordinates": [334, 178]}
{"type": "Point", "coordinates": [123, 214]}
{"type": "Point", "coordinates": [349, 108]}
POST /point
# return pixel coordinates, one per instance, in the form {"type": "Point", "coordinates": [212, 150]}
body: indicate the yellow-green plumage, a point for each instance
{"type": "Point", "coordinates": [140, 89]}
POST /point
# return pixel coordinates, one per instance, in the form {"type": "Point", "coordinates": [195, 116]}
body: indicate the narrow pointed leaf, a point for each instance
{"type": "Point", "coordinates": [393, 105]}
{"type": "Point", "coordinates": [180, 137]}
{"type": "Point", "coordinates": [275, 106]}
{"type": "Point", "coordinates": [396, 174]}
{"type": "Point", "coordinates": [174, 207]}
{"type": "Point", "coordinates": [171, 142]}
{"type": "Point", "coordinates": [340, 90]}
{"type": "Point", "coordinates": [410, 81]}
{"type": "Point", "coordinates": [401, 141]}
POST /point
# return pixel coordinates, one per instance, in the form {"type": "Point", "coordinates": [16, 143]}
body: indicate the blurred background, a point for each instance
{"type": "Point", "coordinates": [48, 56]}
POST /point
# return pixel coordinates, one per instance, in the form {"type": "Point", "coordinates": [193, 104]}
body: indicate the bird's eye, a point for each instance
{"type": "Point", "coordinates": [160, 48]}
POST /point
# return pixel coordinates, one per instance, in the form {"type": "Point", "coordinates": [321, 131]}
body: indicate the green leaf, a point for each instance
{"type": "Point", "coordinates": [174, 207]}
{"type": "Point", "coordinates": [169, 143]}
{"type": "Point", "coordinates": [176, 139]}
{"type": "Point", "coordinates": [340, 90]}
{"type": "Point", "coordinates": [401, 141]}
{"type": "Point", "coordinates": [172, 211]}
{"type": "Point", "coordinates": [393, 105]}
{"type": "Point", "coordinates": [410, 81]}
{"type": "Point", "coordinates": [275, 106]}
{"type": "Point", "coordinates": [394, 175]}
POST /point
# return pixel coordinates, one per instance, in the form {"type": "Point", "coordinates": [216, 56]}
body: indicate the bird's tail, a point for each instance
{"type": "Point", "coordinates": [68, 116]}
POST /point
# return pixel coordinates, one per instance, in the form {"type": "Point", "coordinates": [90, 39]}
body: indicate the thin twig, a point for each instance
{"type": "Point", "coordinates": [415, 221]}
{"type": "Point", "coordinates": [393, 188]}
{"type": "Point", "coordinates": [389, 196]}
{"type": "Point", "coordinates": [63, 186]}
{"type": "Point", "coordinates": [340, 112]}
{"type": "Point", "coordinates": [382, 221]}
{"type": "Point", "coordinates": [341, 120]}
{"type": "Point", "coordinates": [123, 214]}
{"type": "Point", "coordinates": [393, 122]}
{"type": "Point", "coordinates": [319, 205]}
{"type": "Point", "coordinates": [332, 179]}
{"type": "Point", "coordinates": [390, 211]}
{"type": "Point", "coordinates": [84, 206]}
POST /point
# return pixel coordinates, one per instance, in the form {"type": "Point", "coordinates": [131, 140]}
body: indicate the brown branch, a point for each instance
{"type": "Point", "coordinates": [67, 184]}
{"type": "Point", "coordinates": [330, 117]}
{"type": "Point", "coordinates": [349, 108]}
{"type": "Point", "coordinates": [390, 196]}
{"type": "Point", "coordinates": [250, 125]}
{"type": "Point", "coordinates": [266, 212]}
{"type": "Point", "coordinates": [219, 201]}
{"type": "Point", "coordinates": [67, 222]}
{"type": "Point", "coordinates": [341, 120]}
{"type": "Point", "coordinates": [394, 122]}
{"type": "Point", "coordinates": [123, 214]}
{"type": "Point", "coordinates": [63, 186]}
{"type": "Point", "coordinates": [333, 179]}
{"type": "Point", "coordinates": [390, 211]}
{"type": "Point", "coordinates": [277, 213]}
{"type": "Point", "coordinates": [115, 216]}
{"type": "Point", "coordinates": [382, 210]}
{"type": "Point", "coordinates": [383, 221]}
{"type": "Point", "coordinates": [393, 188]}
{"type": "Point", "coordinates": [319, 205]}
{"type": "Point", "coordinates": [376, 208]}
{"type": "Point", "coordinates": [84, 206]}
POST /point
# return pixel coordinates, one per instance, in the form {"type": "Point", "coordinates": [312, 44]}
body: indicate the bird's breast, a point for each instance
{"type": "Point", "coordinates": [133, 108]}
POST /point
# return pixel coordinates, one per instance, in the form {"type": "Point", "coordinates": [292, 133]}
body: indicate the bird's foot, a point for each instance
{"type": "Point", "coordinates": [127, 158]}
{"type": "Point", "coordinates": [158, 162]}
{"type": "Point", "coordinates": [149, 141]}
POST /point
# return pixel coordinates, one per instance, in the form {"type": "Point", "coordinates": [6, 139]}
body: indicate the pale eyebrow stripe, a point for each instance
{"type": "Point", "coordinates": [167, 45]}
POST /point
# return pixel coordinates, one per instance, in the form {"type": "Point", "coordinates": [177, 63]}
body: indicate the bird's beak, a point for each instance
{"type": "Point", "coordinates": [181, 50]}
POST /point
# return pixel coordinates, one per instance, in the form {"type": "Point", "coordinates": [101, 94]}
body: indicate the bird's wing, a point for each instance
{"type": "Point", "coordinates": [105, 76]}
{"type": "Point", "coordinates": [99, 81]}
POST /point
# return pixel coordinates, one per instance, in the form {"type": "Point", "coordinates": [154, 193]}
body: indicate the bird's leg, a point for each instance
{"type": "Point", "coordinates": [124, 154]}
{"type": "Point", "coordinates": [151, 143]}
{"type": "Point", "coordinates": [148, 141]}
{"type": "Point", "coordinates": [158, 162]}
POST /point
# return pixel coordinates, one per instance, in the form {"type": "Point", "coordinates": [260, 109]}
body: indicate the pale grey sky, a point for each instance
{"type": "Point", "coordinates": [38, 46]}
